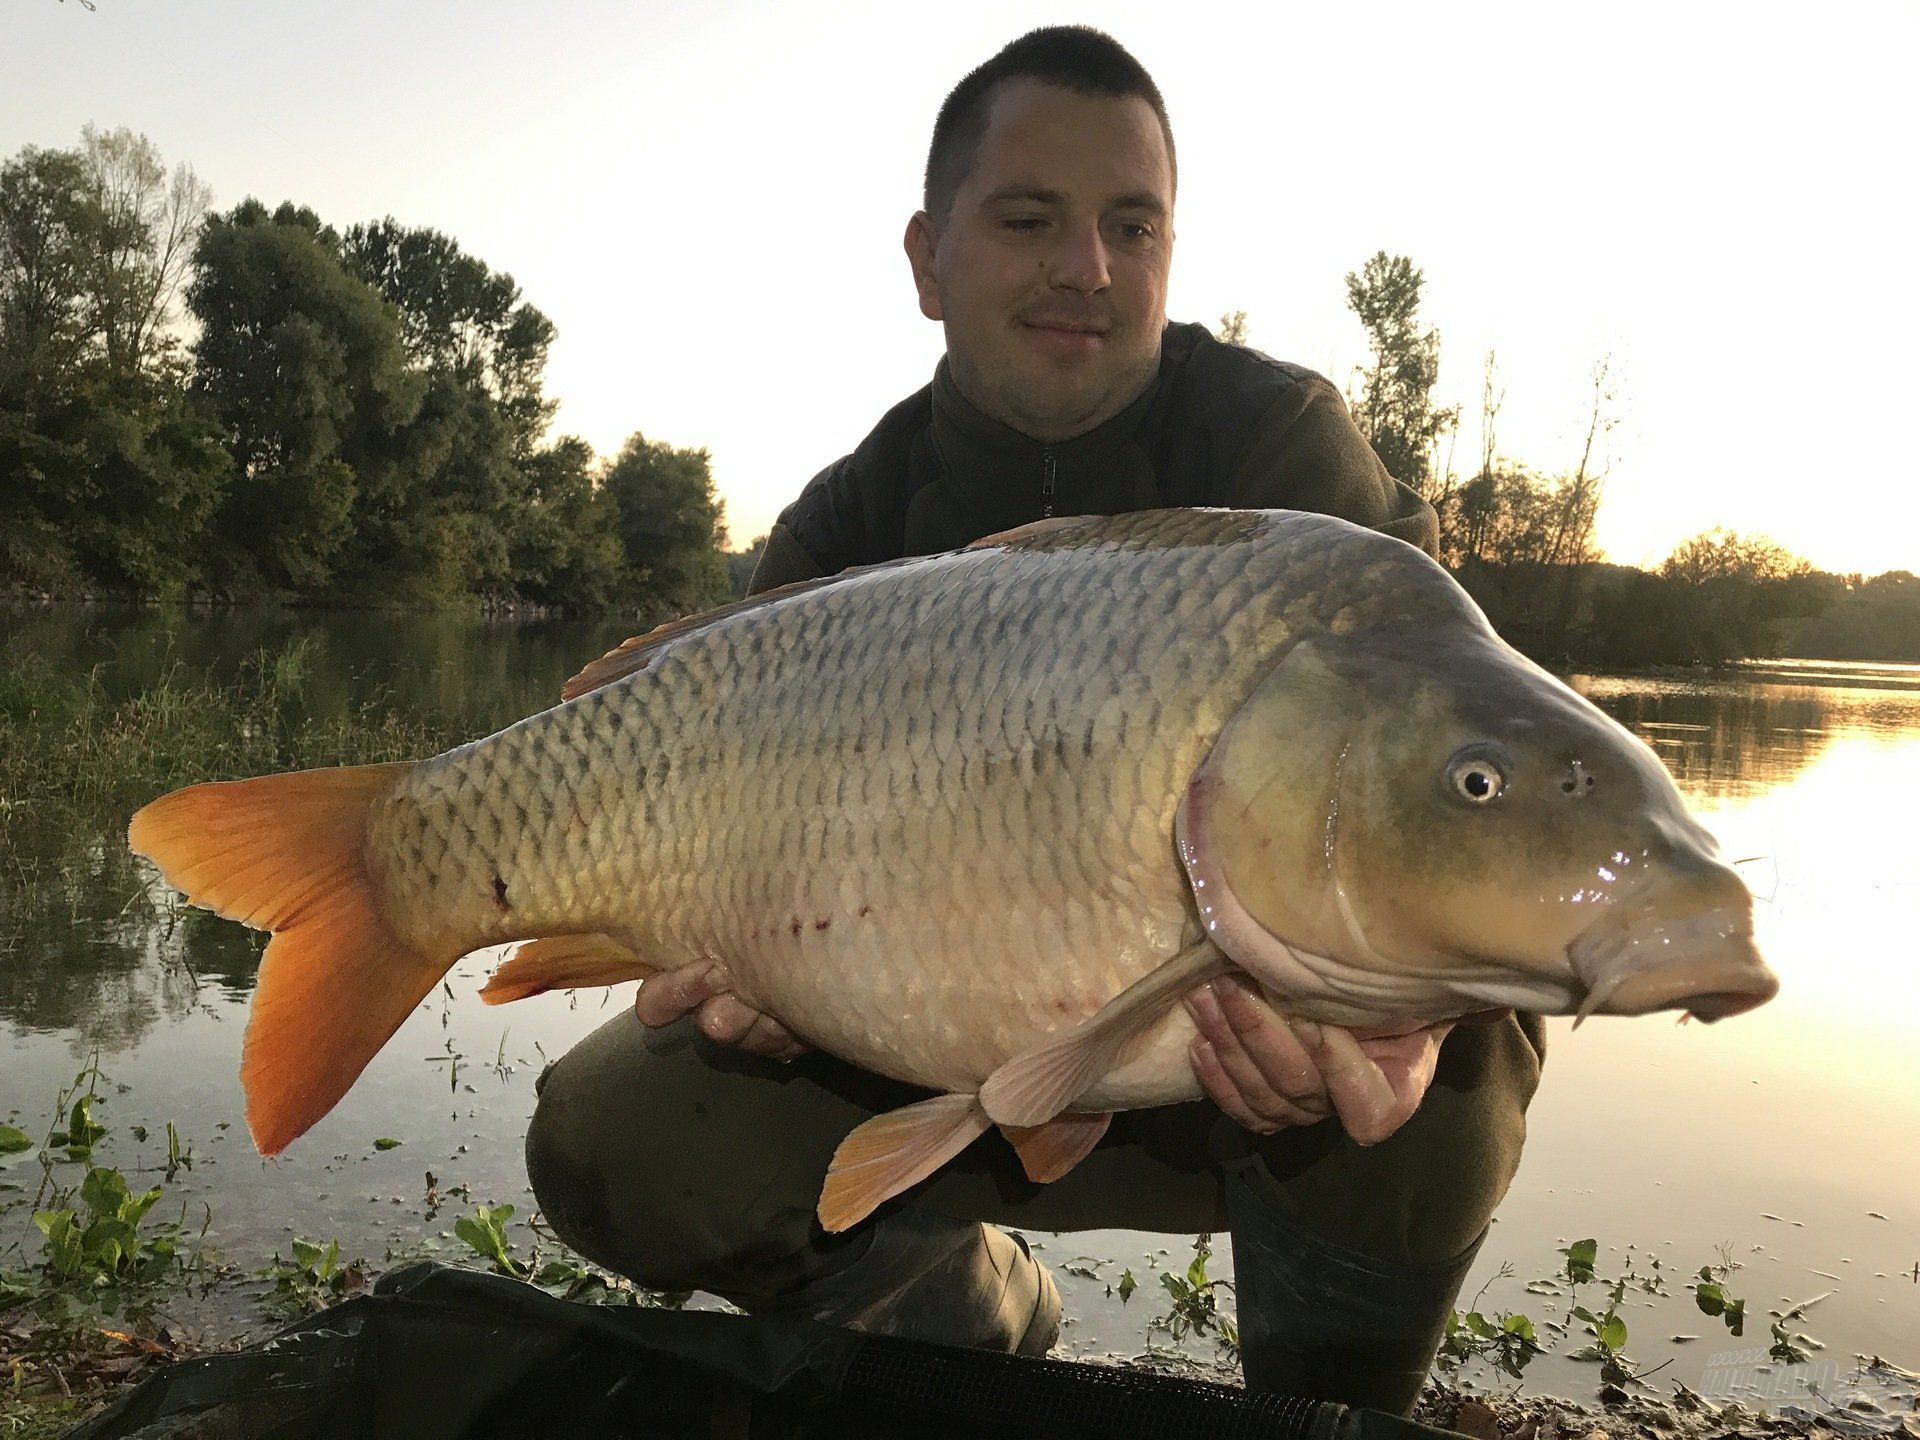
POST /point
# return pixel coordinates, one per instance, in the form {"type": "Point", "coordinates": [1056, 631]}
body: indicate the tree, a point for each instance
{"type": "Point", "coordinates": [1720, 554]}
{"type": "Point", "coordinates": [148, 222]}
{"type": "Point", "coordinates": [671, 525]}
{"type": "Point", "coordinates": [110, 474]}
{"type": "Point", "coordinates": [1395, 408]}
{"type": "Point", "coordinates": [303, 366]}
{"type": "Point", "coordinates": [460, 316]}
{"type": "Point", "coordinates": [47, 220]}
{"type": "Point", "coordinates": [1232, 329]}
{"type": "Point", "coordinates": [566, 552]}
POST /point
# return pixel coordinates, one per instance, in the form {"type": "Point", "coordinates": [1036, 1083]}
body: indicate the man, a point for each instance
{"type": "Point", "coordinates": [689, 1154]}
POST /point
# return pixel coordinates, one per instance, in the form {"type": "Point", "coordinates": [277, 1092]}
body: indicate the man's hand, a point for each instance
{"type": "Point", "coordinates": [1268, 1071]}
{"type": "Point", "coordinates": [706, 988]}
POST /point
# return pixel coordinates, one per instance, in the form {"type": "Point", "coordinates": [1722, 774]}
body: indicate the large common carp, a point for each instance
{"type": "Point", "coordinates": [977, 820]}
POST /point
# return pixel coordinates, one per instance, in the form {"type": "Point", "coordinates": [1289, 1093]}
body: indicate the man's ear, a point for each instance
{"type": "Point", "coordinates": [921, 241]}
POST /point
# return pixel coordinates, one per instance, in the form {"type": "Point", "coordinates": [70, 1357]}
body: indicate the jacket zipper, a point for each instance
{"type": "Point", "coordinates": [1046, 483]}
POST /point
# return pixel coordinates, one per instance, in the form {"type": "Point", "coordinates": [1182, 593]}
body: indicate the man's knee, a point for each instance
{"type": "Point", "coordinates": [641, 1167]}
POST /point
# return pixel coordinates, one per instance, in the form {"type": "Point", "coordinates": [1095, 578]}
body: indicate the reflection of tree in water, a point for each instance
{"type": "Point", "coordinates": [1720, 741]}
{"type": "Point", "coordinates": [97, 949]}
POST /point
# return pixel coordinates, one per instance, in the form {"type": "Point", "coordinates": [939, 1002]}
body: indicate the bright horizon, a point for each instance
{"type": "Point", "coordinates": [707, 200]}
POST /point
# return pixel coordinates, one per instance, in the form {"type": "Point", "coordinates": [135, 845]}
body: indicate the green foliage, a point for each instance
{"type": "Point", "coordinates": [101, 1240]}
{"type": "Point", "coordinates": [315, 1277]}
{"type": "Point", "coordinates": [360, 416]}
{"type": "Point", "coordinates": [485, 1234]}
{"type": "Point", "coordinates": [1579, 1261]}
{"type": "Point", "coordinates": [83, 1132]}
{"type": "Point", "coordinates": [671, 525]}
{"type": "Point", "coordinates": [49, 224]}
{"type": "Point", "coordinates": [108, 467]}
{"type": "Point", "coordinates": [1395, 408]}
{"type": "Point", "coordinates": [459, 317]}
{"type": "Point", "coordinates": [302, 367]}
{"type": "Point", "coordinates": [1712, 1298]}
{"type": "Point", "coordinates": [1196, 1301]}
{"type": "Point", "coordinates": [1506, 1341]}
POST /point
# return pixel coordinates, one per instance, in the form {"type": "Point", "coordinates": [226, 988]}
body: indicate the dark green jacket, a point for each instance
{"type": "Point", "coordinates": [1220, 425]}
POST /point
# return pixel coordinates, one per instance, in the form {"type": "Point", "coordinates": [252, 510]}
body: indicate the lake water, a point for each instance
{"type": "Point", "coordinates": [1789, 1139]}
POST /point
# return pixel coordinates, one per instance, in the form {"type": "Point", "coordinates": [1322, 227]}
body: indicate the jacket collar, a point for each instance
{"type": "Point", "coordinates": [1006, 472]}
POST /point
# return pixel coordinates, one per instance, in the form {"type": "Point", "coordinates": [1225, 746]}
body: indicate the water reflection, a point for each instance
{"type": "Point", "coordinates": [1724, 738]}
{"type": "Point", "coordinates": [487, 671]}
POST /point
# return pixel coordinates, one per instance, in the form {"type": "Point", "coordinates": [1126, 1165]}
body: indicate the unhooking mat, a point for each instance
{"type": "Point", "coordinates": [436, 1353]}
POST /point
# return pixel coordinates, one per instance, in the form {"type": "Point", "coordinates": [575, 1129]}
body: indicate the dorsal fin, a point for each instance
{"type": "Point", "coordinates": [633, 655]}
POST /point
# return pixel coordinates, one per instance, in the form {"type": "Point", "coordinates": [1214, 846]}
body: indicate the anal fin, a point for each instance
{"type": "Point", "coordinates": [890, 1152]}
{"type": "Point", "coordinates": [563, 962]}
{"type": "Point", "coordinates": [1033, 1088]}
{"type": "Point", "coordinates": [1049, 1151]}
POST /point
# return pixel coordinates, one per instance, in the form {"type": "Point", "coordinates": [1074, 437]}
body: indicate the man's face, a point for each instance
{"type": "Point", "coordinates": [1050, 272]}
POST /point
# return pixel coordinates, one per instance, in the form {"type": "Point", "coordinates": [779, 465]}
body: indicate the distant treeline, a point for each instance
{"type": "Point", "coordinates": [352, 418]}
{"type": "Point", "coordinates": [255, 406]}
{"type": "Point", "coordinates": [1522, 542]}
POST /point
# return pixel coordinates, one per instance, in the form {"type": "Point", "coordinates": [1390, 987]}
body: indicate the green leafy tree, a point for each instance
{"type": "Point", "coordinates": [47, 219]}
{"type": "Point", "coordinates": [1395, 408]}
{"type": "Point", "coordinates": [671, 525]}
{"type": "Point", "coordinates": [566, 552]}
{"type": "Point", "coordinates": [459, 316]}
{"type": "Point", "coordinates": [302, 365]}
{"type": "Point", "coordinates": [111, 474]}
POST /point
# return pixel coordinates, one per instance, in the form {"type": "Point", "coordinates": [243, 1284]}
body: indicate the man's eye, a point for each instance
{"type": "Point", "coordinates": [1135, 230]}
{"type": "Point", "coordinates": [1022, 222]}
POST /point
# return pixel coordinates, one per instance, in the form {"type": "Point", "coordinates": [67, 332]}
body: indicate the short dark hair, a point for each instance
{"type": "Point", "coordinates": [1076, 57]}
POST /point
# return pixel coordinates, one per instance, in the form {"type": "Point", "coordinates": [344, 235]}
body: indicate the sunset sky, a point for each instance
{"type": "Point", "coordinates": [708, 200]}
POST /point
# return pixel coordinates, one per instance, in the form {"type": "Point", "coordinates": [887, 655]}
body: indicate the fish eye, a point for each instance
{"type": "Point", "coordinates": [1476, 777]}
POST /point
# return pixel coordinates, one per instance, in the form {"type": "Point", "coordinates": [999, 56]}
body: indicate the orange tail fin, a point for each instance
{"type": "Point", "coordinates": [563, 962]}
{"type": "Point", "coordinates": [287, 853]}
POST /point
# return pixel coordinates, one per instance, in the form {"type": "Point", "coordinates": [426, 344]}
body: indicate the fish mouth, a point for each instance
{"type": "Point", "coordinates": [1704, 964]}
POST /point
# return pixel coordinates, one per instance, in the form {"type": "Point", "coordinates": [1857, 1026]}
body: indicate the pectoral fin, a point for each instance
{"type": "Point", "coordinates": [563, 962]}
{"type": "Point", "coordinates": [1034, 1088]}
{"type": "Point", "coordinates": [1049, 1151]}
{"type": "Point", "coordinates": [893, 1151]}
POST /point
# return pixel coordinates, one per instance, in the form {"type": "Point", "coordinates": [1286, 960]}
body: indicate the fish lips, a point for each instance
{"type": "Point", "coordinates": [1703, 963]}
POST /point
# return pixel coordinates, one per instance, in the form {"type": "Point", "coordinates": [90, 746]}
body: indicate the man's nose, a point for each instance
{"type": "Point", "coordinates": [1080, 262]}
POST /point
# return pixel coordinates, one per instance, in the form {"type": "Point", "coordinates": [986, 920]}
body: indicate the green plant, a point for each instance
{"type": "Point", "coordinates": [83, 1132]}
{"type": "Point", "coordinates": [1507, 1341]}
{"type": "Point", "coordinates": [1713, 1297]}
{"type": "Point", "coordinates": [1196, 1301]}
{"type": "Point", "coordinates": [100, 1242]}
{"type": "Point", "coordinates": [485, 1233]}
{"type": "Point", "coordinates": [314, 1276]}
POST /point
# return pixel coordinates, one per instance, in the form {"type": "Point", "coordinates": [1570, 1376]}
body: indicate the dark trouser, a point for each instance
{"type": "Point", "coordinates": [685, 1165]}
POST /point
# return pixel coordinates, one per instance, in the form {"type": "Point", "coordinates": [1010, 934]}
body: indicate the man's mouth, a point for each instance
{"type": "Point", "coordinates": [1068, 341]}
{"type": "Point", "coordinates": [1064, 325]}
